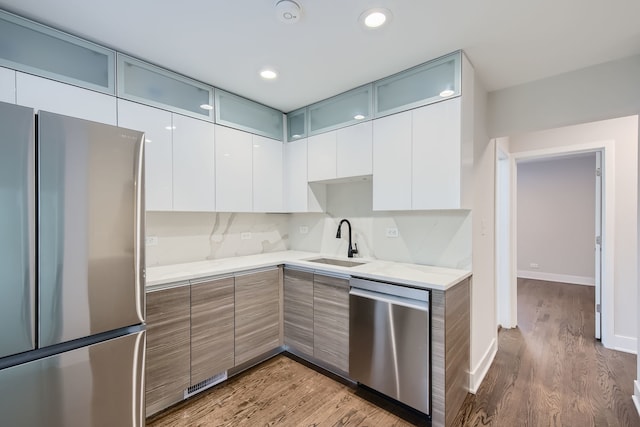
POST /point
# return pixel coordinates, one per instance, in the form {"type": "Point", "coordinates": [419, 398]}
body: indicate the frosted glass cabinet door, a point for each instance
{"type": "Point", "coordinates": [322, 156]}
{"type": "Point", "coordinates": [297, 124]}
{"type": "Point", "coordinates": [341, 110]}
{"type": "Point", "coordinates": [354, 150]}
{"type": "Point", "coordinates": [244, 114]}
{"type": "Point", "coordinates": [234, 170]}
{"type": "Point", "coordinates": [392, 162]}
{"type": "Point", "coordinates": [267, 175]}
{"type": "Point", "coordinates": [156, 124]}
{"type": "Point", "coordinates": [44, 94]}
{"type": "Point", "coordinates": [7, 85]}
{"type": "Point", "coordinates": [424, 84]}
{"type": "Point", "coordinates": [436, 156]}
{"type": "Point", "coordinates": [193, 165]}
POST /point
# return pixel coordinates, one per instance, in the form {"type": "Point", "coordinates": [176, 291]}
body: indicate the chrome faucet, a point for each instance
{"type": "Point", "coordinates": [351, 250]}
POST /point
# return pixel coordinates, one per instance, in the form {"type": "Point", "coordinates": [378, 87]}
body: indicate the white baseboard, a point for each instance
{"type": "Point", "coordinates": [636, 395]}
{"type": "Point", "coordinates": [626, 344]}
{"type": "Point", "coordinates": [553, 277]}
{"type": "Point", "coordinates": [477, 375]}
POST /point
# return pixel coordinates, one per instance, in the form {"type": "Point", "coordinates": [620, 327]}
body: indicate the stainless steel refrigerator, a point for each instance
{"type": "Point", "coordinates": [72, 334]}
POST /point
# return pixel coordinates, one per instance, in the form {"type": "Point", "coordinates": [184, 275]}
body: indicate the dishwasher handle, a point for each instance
{"type": "Point", "coordinates": [390, 299]}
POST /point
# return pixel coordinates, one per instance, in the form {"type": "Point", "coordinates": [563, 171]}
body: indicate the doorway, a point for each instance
{"type": "Point", "coordinates": [506, 230]}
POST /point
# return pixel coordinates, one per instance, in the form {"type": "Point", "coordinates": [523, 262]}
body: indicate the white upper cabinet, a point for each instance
{"type": "Point", "coordinates": [342, 153]}
{"type": "Point", "coordinates": [47, 95]}
{"type": "Point", "coordinates": [354, 150]}
{"type": "Point", "coordinates": [7, 85]}
{"type": "Point", "coordinates": [421, 160]}
{"type": "Point", "coordinates": [321, 157]}
{"type": "Point", "coordinates": [234, 170]}
{"type": "Point", "coordinates": [193, 165]}
{"type": "Point", "coordinates": [267, 175]}
{"type": "Point", "coordinates": [436, 156]}
{"type": "Point", "coordinates": [299, 196]}
{"type": "Point", "coordinates": [392, 139]}
{"type": "Point", "coordinates": [157, 126]}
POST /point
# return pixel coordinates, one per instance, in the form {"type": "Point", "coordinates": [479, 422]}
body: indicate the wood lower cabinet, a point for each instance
{"type": "Point", "coordinates": [212, 327]}
{"type": "Point", "coordinates": [257, 314]}
{"type": "Point", "coordinates": [168, 359]}
{"type": "Point", "coordinates": [331, 321]}
{"type": "Point", "coordinates": [298, 311]}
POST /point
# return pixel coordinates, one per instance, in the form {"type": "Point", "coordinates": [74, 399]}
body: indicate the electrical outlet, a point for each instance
{"type": "Point", "coordinates": [151, 240]}
{"type": "Point", "coordinates": [304, 229]}
{"type": "Point", "coordinates": [245, 236]}
{"type": "Point", "coordinates": [392, 232]}
{"type": "Point", "coordinates": [534, 265]}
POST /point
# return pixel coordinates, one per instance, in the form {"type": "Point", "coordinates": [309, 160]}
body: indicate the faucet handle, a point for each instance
{"type": "Point", "coordinates": [355, 248]}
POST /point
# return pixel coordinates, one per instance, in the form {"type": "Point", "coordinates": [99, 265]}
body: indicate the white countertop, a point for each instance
{"type": "Point", "coordinates": [421, 276]}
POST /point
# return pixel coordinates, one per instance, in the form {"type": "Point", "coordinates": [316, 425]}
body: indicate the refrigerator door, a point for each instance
{"type": "Point", "coordinates": [90, 218]}
{"type": "Point", "coordinates": [17, 224]}
{"type": "Point", "coordinates": [99, 385]}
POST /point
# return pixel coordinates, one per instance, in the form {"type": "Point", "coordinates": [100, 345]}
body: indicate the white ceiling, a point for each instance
{"type": "Point", "coordinates": [226, 43]}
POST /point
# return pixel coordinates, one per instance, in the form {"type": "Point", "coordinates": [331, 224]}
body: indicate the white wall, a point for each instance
{"type": "Point", "coordinates": [441, 238]}
{"type": "Point", "coordinates": [198, 236]}
{"type": "Point", "coordinates": [624, 133]}
{"type": "Point", "coordinates": [484, 333]}
{"type": "Point", "coordinates": [601, 92]}
{"type": "Point", "coordinates": [556, 219]}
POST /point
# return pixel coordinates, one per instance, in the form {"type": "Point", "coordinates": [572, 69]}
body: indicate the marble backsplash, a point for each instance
{"type": "Point", "coordinates": [198, 236]}
{"type": "Point", "coordinates": [440, 238]}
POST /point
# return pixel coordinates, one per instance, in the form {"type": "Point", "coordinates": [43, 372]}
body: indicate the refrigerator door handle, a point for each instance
{"type": "Point", "coordinates": [139, 224]}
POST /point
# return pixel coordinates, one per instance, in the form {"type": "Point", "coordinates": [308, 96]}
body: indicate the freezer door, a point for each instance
{"type": "Point", "coordinates": [17, 224]}
{"type": "Point", "coordinates": [90, 218]}
{"type": "Point", "coordinates": [99, 385]}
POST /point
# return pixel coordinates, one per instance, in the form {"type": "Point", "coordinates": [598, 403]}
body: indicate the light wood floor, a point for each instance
{"type": "Point", "coordinates": [548, 372]}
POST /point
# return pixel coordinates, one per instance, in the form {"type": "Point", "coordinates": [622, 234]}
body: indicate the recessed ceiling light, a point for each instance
{"type": "Point", "coordinates": [268, 74]}
{"type": "Point", "coordinates": [375, 18]}
{"type": "Point", "coordinates": [446, 92]}
{"type": "Point", "coordinates": [358, 117]}
{"type": "Point", "coordinates": [206, 107]}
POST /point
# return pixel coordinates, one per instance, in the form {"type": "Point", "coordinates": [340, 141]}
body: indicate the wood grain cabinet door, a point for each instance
{"type": "Point", "coordinates": [257, 314]}
{"type": "Point", "coordinates": [168, 352]}
{"type": "Point", "coordinates": [212, 327]}
{"type": "Point", "coordinates": [331, 321]}
{"type": "Point", "coordinates": [298, 311]}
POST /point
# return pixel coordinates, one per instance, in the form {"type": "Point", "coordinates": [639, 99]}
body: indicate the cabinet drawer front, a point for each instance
{"type": "Point", "coordinates": [298, 310]}
{"type": "Point", "coordinates": [168, 352]}
{"type": "Point", "coordinates": [212, 328]}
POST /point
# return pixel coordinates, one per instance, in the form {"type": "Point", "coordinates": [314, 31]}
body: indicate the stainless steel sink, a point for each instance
{"type": "Point", "coordinates": [338, 262]}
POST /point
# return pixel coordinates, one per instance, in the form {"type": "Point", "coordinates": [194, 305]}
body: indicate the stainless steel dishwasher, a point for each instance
{"type": "Point", "coordinates": [389, 340]}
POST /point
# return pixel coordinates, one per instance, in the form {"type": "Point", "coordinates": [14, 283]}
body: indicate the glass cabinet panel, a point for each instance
{"type": "Point", "coordinates": [148, 84]}
{"type": "Point", "coordinates": [36, 49]}
{"type": "Point", "coordinates": [341, 110]}
{"type": "Point", "coordinates": [297, 124]}
{"type": "Point", "coordinates": [244, 114]}
{"type": "Point", "coordinates": [421, 85]}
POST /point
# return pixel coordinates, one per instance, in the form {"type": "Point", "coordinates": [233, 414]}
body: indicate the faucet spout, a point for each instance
{"type": "Point", "coordinates": [350, 251]}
